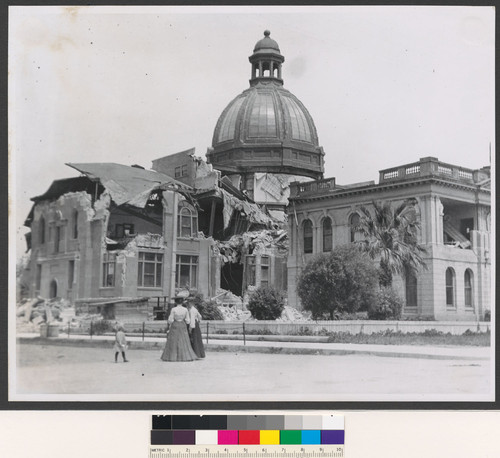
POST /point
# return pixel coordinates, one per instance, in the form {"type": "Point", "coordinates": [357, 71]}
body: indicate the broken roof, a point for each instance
{"type": "Point", "coordinates": [60, 187]}
{"type": "Point", "coordinates": [128, 185]}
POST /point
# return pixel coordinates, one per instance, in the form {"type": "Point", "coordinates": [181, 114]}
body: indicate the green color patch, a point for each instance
{"type": "Point", "coordinates": [291, 436]}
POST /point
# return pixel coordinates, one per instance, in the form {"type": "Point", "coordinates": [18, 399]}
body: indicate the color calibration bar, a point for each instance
{"type": "Point", "coordinates": [247, 430]}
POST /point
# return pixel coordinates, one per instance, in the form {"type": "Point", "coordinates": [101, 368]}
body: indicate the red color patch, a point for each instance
{"type": "Point", "coordinates": [249, 437]}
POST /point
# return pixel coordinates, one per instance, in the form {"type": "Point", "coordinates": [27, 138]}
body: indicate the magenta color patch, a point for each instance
{"type": "Point", "coordinates": [228, 437]}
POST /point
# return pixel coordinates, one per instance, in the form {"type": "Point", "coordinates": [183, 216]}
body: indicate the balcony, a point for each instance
{"type": "Point", "coordinates": [431, 166]}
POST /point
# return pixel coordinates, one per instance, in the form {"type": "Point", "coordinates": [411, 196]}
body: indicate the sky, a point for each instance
{"type": "Point", "coordinates": [385, 85]}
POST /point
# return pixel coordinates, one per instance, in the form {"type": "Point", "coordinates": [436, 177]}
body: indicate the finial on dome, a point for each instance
{"type": "Point", "coordinates": [267, 33]}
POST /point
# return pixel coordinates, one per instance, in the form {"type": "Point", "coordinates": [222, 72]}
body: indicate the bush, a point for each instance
{"type": "Point", "coordinates": [208, 309]}
{"type": "Point", "coordinates": [387, 305]}
{"type": "Point", "coordinates": [343, 281]}
{"type": "Point", "coordinates": [266, 303]}
{"type": "Point", "coordinates": [102, 326]}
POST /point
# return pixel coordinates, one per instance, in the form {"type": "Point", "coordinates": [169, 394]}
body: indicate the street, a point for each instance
{"type": "Point", "coordinates": [71, 370]}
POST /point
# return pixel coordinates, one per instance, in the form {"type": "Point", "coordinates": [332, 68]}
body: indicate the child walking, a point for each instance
{"type": "Point", "coordinates": [120, 344]}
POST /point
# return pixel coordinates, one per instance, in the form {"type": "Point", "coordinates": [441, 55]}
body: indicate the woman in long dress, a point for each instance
{"type": "Point", "coordinates": [194, 330]}
{"type": "Point", "coordinates": [178, 347]}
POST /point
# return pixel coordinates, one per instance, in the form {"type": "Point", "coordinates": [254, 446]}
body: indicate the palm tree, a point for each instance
{"type": "Point", "coordinates": [391, 236]}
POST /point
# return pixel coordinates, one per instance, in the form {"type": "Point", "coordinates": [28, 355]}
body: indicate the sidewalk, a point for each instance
{"type": "Point", "coordinates": [301, 348]}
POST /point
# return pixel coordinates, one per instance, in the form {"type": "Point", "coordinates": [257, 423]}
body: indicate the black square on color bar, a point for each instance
{"type": "Point", "coordinates": [181, 421]}
{"type": "Point", "coordinates": [190, 422]}
{"type": "Point", "coordinates": [162, 421]}
{"type": "Point", "coordinates": [217, 422]}
{"type": "Point", "coordinates": [161, 437]}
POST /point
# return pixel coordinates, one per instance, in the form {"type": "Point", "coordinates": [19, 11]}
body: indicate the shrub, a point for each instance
{"type": "Point", "coordinates": [342, 281]}
{"type": "Point", "coordinates": [102, 326]}
{"type": "Point", "coordinates": [387, 305]}
{"type": "Point", "coordinates": [208, 309]}
{"type": "Point", "coordinates": [266, 303]}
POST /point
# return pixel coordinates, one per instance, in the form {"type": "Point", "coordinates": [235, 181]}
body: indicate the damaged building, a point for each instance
{"type": "Point", "coordinates": [120, 233]}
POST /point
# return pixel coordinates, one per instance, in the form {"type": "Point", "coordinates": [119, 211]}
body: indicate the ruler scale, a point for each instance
{"type": "Point", "coordinates": [238, 451]}
{"type": "Point", "coordinates": [247, 436]}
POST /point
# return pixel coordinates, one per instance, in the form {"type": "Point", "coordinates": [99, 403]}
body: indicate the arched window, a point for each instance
{"type": "Point", "coordinates": [450, 287]}
{"type": "Point", "coordinates": [327, 234]}
{"type": "Point", "coordinates": [74, 229]}
{"type": "Point", "coordinates": [53, 289]}
{"type": "Point", "coordinates": [41, 226]}
{"type": "Point", "coordinates": [308, 236]}
{"type": "Point", "coordinates": [468, 278]}
{"type": "Point", "coordinates": [353, 223]}
{"type": "Point", "coordinates": [411, 289]}
{"type": "Point", "coordinates": [187, 220]}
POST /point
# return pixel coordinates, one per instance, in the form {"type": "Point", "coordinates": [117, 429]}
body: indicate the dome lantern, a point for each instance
{"type": "Point", "coordinates": [266, 61]}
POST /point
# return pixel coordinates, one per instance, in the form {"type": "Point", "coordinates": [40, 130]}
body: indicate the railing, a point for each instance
{"type": "Point", "coordinates": [319, 186]}
{"type": "Point", "coordinates": [279, 331]}
{"type": "Point", "coordinates": [426, 167]}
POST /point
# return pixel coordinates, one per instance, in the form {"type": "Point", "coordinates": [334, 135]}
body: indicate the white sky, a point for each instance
{"type": "Point", "coordinates": [384, 85]}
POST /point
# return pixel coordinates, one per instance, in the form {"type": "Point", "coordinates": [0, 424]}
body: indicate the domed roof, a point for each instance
{"type": "Point", "coordinates": [266, 44]}
{"type": "Point", "coordinates": [266, 128]}
{"type": "Point", "coordinates": [265, 113]}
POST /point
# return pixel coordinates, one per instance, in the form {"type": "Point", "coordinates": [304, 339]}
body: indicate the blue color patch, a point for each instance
{"type": "Point", "coordinates": [311, 436]}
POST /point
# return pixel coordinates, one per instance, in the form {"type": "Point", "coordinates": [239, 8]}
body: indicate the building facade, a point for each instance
{"type": "Point", "coordinates": [454, 211]}
{"type": "Point", "coordinates": [122, 232]}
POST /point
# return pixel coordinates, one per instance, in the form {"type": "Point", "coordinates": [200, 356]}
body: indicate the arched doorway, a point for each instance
{"type": "Point", "coordinates": [53, 289]}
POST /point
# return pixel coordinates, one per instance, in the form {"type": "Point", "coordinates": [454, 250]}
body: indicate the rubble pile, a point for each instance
{"type": "Point", "coordinates": [248, 242]}
{"type": "Point", "coordinates": [227, 298]}
{"type": "Point", "coordinates": [234, 314]}
{"type": "Point", "coordinates": [31, 313]}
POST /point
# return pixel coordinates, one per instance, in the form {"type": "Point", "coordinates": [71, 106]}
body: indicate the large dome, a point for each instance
{"type": "Point", "coordinates": [266, 128]}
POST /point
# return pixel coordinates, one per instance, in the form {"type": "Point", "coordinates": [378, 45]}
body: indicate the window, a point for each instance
{"type": "Point", "coordinates": [149, 269]}
{"type": "Point", "coordinates": [450, 287]}
{"type": "Point", "coordinates": [187, 221]}
{"type": "Point", "coordinates": [57, 239]}
{"type": "Point", "coordinates": [181, 171]}
{"type": "Point", "coordinates": [264, 271]}
{"type": "Point", "coordinates": [186, 274]}
{"type": "Point", "coordinates": [123, 230]}
{"type": "Point", "coordinates": [327, 234]}
{"type": "Point", "coordinates": [53, 289]}
{"type": "Point", "coordinates": [75, 225]}
{"type": "Point", "coordinates": [353, 223]}
{"type": "Point", "coordinates": [71, 274]}
{"type": "Point", "coordinates": [38, 277]}
{"type": "Point", "coordinates": [250, 270]}
{"type": "Point", "coordinates": [41, 227]}
{"type": "Point", "coordinates": [308, 236]}
{"type": "Point", "coordinates": [411, 289]}
{"type": "Point", "coordinates": [108, 269]}
{"type": "Point", "coordinates": [468, 288]}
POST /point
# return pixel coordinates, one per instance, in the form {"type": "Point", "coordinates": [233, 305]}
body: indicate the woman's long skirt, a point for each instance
{"type": "Point", "coordinates": [178, 346]}
{"type": "Point", "coordinates": [197, 342]}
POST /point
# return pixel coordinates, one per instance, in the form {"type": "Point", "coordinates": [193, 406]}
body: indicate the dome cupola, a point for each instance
{"type": "Point", "coordinates": [266, 128]}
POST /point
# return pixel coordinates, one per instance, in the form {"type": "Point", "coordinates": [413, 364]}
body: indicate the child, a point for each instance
{"type": "Point", "coordinates": [120, 343]}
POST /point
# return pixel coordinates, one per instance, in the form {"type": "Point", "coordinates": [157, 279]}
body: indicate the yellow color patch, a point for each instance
{"type": "Point", "coordinates": [270, 437]}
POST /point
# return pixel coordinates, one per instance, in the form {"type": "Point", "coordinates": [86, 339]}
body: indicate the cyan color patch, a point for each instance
{"type": "Point", "coordinates": [311, 436]}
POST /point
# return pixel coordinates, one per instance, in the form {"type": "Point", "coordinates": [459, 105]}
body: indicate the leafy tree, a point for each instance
{"type": "Point", "coordinates": [266, 303]}
{"type": "Point", "coordinates": [391, 236]}
{"type": "Point", "coordinates": [342, 281]}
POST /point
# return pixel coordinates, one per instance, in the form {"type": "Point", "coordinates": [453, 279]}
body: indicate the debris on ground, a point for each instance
{"type": "Point", "coordinates": [31, 313]}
